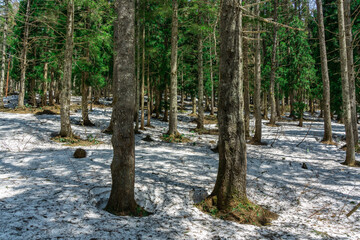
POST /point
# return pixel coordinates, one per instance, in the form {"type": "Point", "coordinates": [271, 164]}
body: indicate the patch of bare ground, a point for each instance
{"type": "Point", "coordinates": [76, 141]}
{"type": "Point", "coordinates": [138, 212]}
{"type": "Point", "coordinates": [329, 143]}
{"type": "Point", "coordinates": [272, 125]}
{"type": "Point", "coordinates": [210, 119]}
{"type": "Point", "coordinates": [240, 210]}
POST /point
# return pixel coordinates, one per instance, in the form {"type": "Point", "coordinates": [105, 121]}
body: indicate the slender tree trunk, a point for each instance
{"type": "Point", "coordinates": [65, 97]}
{"type": "Point", "coordinates": [142, 97]}
{"type": "Point", "coordinates": [137, 99]}
{"type": "Point", "coordinates": [173, 83]}
{"type": "Point", "coordinates": [193, 100]}
{"type": "Point", "coordinates": [51, 90]}
{"type": "Point", "coordinates": [3, 58]}
{"type": "Point", "coordinates": [325, 75]}
{"type": "Point", "coordinates": [273, 71]}
{"type": "Point", "coordinates": [212, 104]}
{"type": "Point", "coordinates": [23, 59]}
{"type": "Point", "coordinates": [200, 117]}
{"type": "Point", "coordinates": [148, 104]}
{"type": "Point", "coordinates": [278, 110]}
{"type": "Point", "coordinates": [122, 196]}
{"type": "Point", "coordinates": [257, 94]}
{"type": "Point", "coordinates": [351, 69]}
{"type": "Point", "coordinates": [350, 147]}
{"type": "Point", "coordinates": [166, 111]}
{"type": "Point", "coordinates": [266, 107]}
{"type": "Point", "coordinates": [246, 88]}
{"type": "Point", "coordinates": [292, 101]}
{"type": "Point", "coordinates": [231, 179]}
{"type": "Point", "coordinates": [45, 85]}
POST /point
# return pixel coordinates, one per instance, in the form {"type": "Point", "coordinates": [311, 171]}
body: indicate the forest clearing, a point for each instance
{"type": "Point", "coordinates": [179, 119]}
{"type": "Point", "coordinates": [47, 193]}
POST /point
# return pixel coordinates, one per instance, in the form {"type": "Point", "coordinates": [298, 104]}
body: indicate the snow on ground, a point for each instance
{"type": "Point", "coordinates": [45, 193]}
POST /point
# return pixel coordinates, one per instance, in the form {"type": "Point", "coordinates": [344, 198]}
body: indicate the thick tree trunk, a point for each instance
{"type": "Point", "coordinates": [65, 95]}
{"type": "Point", "coordinates": [292, 101]}
{"type": "Point", "coordinates": [173, 80]}
{"type": "Point", "coordinates": [351, 69]}
{"type": "Point", "coordinates": [265, 105]}
{"type": "Point", "coordinates": [200, 116]}
{"type": "Point", "coordinates": [350, 147]}
{"type": "Point", "coordinates": [273, 71]}
{"type": "Point", "coordinates": [246, 88]}
{"type": "Point", "coordinates": [23, 59]}
{"type": "Point", "coordinates": [325, 75]}
{"type": "Point", "coordinates": [257, 94]}
{"type": "Point", "coordinates": [122, 197]}
{"type": "Point", "coordinates": [3, 58]}
{"type": "Point", "coordinates": [231, 179]}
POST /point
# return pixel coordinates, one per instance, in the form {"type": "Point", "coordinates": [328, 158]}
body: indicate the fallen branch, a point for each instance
{"type": "Point", "coordinates": [305, 135]}
{"type": "Point", "coordinates": [353, 210]}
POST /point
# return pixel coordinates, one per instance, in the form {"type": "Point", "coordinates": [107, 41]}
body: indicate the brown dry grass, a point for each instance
{"type": "Point", "coordinates": [76, 141]}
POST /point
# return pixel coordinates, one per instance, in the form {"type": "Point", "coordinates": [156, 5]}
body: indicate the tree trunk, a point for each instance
{"type": "Point", "coordinates": [200, 117]}
{"type": "Point", "coordinates": [148, 104]}
{"type": "Point", "coordinates": [273, 71]}
{"type": "Point", "coordinates": [193, 100]}
{"type": "Point", "coordinates": [122, 197]}
{"type": "Point", "coordinates": [166, 111]}
{"type": "Point", "coordinates": [65, 97]}
{"type": "Point", "coordinates": [351, 69]}
{"type": "Point", "coordinates": [137, 98]}
{"type": "Point", "coordinates": [173, 83]}
{"type": "Point", "coordinates": [3, 58]}
{"type": "Point", "coordinates": [142, 96]}
{"type": "Point", "coordinates": [278, 109]}
{"type": "Point", "coordinates": [246, 88]}
{"type": "Point", "coordinates": [325, 75]}
{"type": "Point", "coordinates": [266, 107]}
{"type": "Point", "coordinates": [231, 179]}
{"type": "Point", "coordinates": [350, 147]}
{"type": "Point", "coordinates": [257, 94]}
{"type": "Point", "coordinates": [23, 59]}
{"type": "Point", "coordinates": [292, 101]}
{"type": "Point", "coordinates": [45, 86]}
{"type": "Point", "coordinates": [84, 100]}
{"type": "Point", "coordinates": [51, 90]}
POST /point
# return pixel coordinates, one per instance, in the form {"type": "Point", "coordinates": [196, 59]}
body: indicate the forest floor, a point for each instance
{"type": "Point", "coordinates": [45, 193]}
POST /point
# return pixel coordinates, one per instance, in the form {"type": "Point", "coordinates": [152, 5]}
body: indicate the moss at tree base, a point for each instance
{"type": "Point", "coordinates": [240, 211]}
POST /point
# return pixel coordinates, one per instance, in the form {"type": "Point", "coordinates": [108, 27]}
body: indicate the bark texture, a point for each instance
{"type": "Point", "coordinates": [273, 71]}
{"type": "Point", "coordinates": [3, 58]}
{"type": "Point", "coordinates": [173, 80]}
{"type": "Point", "coordinates": [200, 117]}
{"type": "Point", "coordinates": [257, 94]}
{"type": "Point", "coordinates": [246, 88]}
{"type": "Point", "coordinates": [325, 75]}
{"type": "Point", "coordinates": [65, 95]}
{"type": "Point", "coordinates": [350, 147]}
{"type": "Point", "coordinates": [231, 178]}
{"type": "Point", "coordinates": [23, 60]}
{"type": "Point", "coordinates": [122, 199]}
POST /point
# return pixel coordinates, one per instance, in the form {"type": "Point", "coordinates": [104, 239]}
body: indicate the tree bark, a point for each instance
{"type": "Point", "coordinates": [122, 197]}
{"type": "Point", "coordinates": [325, 75]}
{"type": "Point", "coordinates": [137, 99]}
{"type": "Point", "coordinates": [173, 83]}
{"type": "Point", "coordinates": [350, 147]}
{"type": "Point", "coordinates": [23, 59]}
{"type": "Point", "coordinates": [51, 90]}
{"type": "Point", "coordinates": [45, 85]}
{"type": "Point", "coordinates": [3, 58]}
{"type": "Point", "coordinates": [142, 96]}
{"type": "Point", "coordinates": [148, 104]}
{"type": "Point", "coordinates": [65, 95]}
{"type": "Point", "coordinates": [231, 179]}
{"type": "Point", "coordinates": [351, 69]}
{"type": "Point", "coordinates": [166, 111]}
{"type": "Point", "coordinates": [273, 71]}
{"type": "Point", "coordinates": [200, 117]}
{"type": "Point", "coordinates": [246, 88]}
{"type": "Point", "coordinates": [257, 94]}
